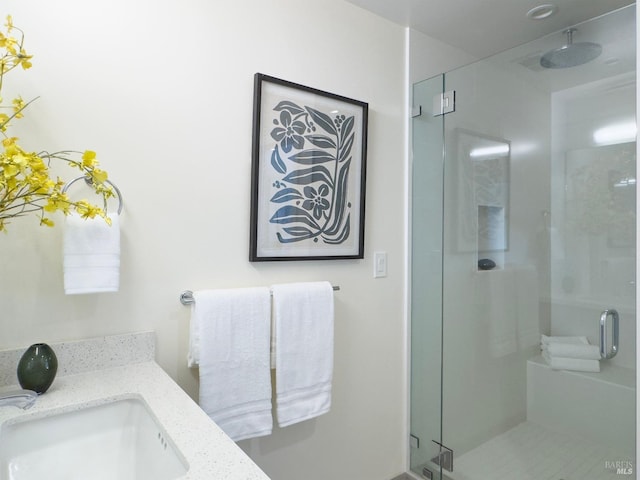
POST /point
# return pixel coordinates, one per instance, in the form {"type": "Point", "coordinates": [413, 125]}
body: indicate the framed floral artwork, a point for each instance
{"type": "Point", "coordinates": [308, 173]}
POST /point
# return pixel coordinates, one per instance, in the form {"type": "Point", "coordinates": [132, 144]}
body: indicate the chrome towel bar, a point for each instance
{"type": "Point", "coordinates": [186, 297]}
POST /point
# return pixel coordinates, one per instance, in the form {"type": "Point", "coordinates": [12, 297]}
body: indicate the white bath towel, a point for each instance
{"type": "Point", "coordinates": [303, 320]}
{"type": "Point", "coordinates": [193, 354]}
{"type": "Point", "coordinates": [235, 379]}
{"type": "Point", "coordinates": [575, 364]}
{"type": "Point", "coordinates": [91, 256]}
{"type": "Point", "coordinates": [569, 350]}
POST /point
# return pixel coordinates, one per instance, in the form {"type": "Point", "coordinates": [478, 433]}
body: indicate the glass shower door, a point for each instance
{"type": "Point", "coordinates": [426, 294]}
{"type": "Point", "coordinates": [537, 226]}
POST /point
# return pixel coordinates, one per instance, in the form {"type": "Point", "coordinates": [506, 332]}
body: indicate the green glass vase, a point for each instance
{"type": "Point", "coordinates": [37, 368]}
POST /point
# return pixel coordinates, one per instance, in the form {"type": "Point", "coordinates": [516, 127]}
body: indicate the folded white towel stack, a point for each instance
{"type": "Point", "coordinates": [91, 261]}
{"type": "Point", "coordinates": [233, 341]}
{"type": "Point", "coordinates": [303, 323]}
{"type": "Point", "coordinates": [546, 340]}
{"type": "Point", "coordinates": [570, 353]}
{"type": "Point", "coordinates": [568, 350]}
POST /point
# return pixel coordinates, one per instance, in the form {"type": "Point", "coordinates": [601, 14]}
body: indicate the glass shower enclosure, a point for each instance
{"type": "Point", "coordinates": [523, 320]}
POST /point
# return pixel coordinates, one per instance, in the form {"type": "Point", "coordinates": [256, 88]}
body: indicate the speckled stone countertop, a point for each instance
{"type": "Point", "coordinates": [87, 355]}
{"type": "Point", "coordinates": [209, 452]}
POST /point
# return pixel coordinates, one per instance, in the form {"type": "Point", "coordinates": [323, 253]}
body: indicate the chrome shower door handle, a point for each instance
{"type": "Point", "coordinates": [605, 351]}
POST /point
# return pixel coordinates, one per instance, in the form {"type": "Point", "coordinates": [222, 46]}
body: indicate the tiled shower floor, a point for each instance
{"type": "Point", "coordinates": [532, 452]}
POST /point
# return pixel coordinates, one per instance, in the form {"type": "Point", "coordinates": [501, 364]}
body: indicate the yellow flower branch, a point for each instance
{"type": "Point", "coordinates": [26, 186]}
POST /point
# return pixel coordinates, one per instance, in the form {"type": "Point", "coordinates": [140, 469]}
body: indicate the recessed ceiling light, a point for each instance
{"type": "Point", "coordinates": [542, 11]}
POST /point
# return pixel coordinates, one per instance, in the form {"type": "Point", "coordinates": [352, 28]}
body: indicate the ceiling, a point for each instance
{"type": "Point", "coordinates": [485, 27]}
{"type": "Point", "coordinates": [615, 67]}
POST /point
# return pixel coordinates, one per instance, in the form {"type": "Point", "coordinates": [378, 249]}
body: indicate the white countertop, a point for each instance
{"type": "Point", "coordinates": [209, 452]}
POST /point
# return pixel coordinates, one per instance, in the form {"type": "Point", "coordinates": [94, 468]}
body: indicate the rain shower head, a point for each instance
{"type": "Point", "coordinates": [571, 54]}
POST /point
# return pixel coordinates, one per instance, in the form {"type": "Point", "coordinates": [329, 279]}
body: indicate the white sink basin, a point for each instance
{"type": "Point", "coordinates": [119, 440]}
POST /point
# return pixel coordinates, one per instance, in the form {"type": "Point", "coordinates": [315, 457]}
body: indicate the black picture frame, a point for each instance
{"type": "Point", "coordinates": [308, 170]}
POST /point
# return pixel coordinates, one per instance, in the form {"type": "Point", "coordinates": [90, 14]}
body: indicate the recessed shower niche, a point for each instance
{"type": "Point", "coordinates": [482, 195]}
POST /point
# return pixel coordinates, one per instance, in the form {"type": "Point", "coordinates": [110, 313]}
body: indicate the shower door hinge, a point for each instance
{"type": "Point", "coordinates": [444, 103]}
{"type": "Point", "coordinates": [445, 458]}
{"type": "Point", "coordinates": [416, 111]}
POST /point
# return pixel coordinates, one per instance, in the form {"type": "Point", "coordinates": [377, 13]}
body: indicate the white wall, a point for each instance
{"type": "Point", "coordinates": [163, 91]}
{"type": "Point", "coordinates": [429, 57]}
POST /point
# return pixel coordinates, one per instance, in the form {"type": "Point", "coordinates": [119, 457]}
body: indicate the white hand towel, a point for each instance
{"type": "Point", "coordinates": [568, 350]}
{"type": "Point", "coordinates": [303, 320]}
{"type": "Point", "coordinates": [235, 378]}
{"type": "Point", "coordinates": [576, 364]}
{"type": "Point", "coordinates": [91, 261]}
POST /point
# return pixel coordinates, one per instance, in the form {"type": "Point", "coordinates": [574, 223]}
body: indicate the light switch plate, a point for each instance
{"type": "Point", "coordinates": [379, 264]}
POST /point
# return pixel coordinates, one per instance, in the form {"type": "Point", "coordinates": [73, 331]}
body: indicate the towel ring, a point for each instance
{"type": "Point", "coordinates": [88, 182]}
